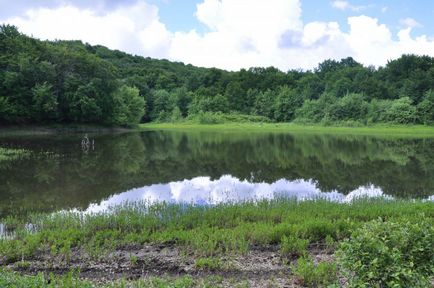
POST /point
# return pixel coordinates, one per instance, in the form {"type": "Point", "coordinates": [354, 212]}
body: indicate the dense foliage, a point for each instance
{"type": "Point", "coordinates": [387, 254]}
{"type": "Point", "coordinates": [72, 82]}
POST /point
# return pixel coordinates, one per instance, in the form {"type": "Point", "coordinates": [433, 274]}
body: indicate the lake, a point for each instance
{"type": "Point", "coordinates": [208, 168]}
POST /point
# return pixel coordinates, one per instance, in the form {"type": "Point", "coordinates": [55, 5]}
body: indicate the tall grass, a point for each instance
{"type": "Point", "coordinates": [204, 230]}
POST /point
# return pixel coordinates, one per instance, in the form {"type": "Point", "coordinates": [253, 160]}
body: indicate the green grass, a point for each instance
{"type": "Point", "coordinates": [210, 232]}
{"type": "Point", "coordinates": [375, 130]}
{"type": "Point", "coordinates": [7, 154]}
{"type": "Point", "coordinates": [49, 129]}
{"type": "Point", "coordinates": [10, 279]}
{"type": "Point", "coordinates": [204, 231]}
{"type": "Point", "coordinates": [311, 275]}
{"type": "Point", "coordinates": [208, 263]}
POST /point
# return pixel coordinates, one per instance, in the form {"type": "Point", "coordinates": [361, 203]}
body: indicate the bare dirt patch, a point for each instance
{"type": "Point", "coordinates": [260, 267]}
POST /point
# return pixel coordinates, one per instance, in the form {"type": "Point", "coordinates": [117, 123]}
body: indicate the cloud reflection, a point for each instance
{"type": "Point", "coordinates": [204, 191]}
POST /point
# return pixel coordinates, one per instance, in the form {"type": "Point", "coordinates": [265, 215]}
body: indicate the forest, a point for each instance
{"type": "Point", "coordinates": [43, 82]}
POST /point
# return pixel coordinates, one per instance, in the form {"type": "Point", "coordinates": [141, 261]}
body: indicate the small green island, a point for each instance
{"type": "Point", "coordinates": [118, 170]}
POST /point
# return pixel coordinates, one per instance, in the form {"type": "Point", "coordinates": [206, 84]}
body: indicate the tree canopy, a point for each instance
{"type": "Point", "coordinates": [74, 82]}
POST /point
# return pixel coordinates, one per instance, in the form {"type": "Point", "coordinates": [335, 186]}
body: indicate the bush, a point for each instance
{"type": "Point", "coordinates": [377, 110]}
{"type": "Point", "coordinates": [220, 118]}
{"type": "Point", "coordinates": [349, 107]}
{"type": "Point", "coordinates": [129, 106]}
{"type": "Point", "coordinates": [315, 111]}
{"type": "Point", "coordinates": [401, 111]}
{"type": "Point", "coordinates": [425, 109]}
{"type": "Point", "coordinates": [208, 263]}
{"type": "Point", "coordinates": [312, 275]}
{"type": "Point", "coordinates": [208, 118]}
{"type": "Point", "coordinates": [293, 246]}
{"type": "Point", "coordinates": [387, 254]}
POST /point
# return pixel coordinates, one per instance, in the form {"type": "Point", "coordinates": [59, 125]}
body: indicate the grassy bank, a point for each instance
{"type": "Point", "coordinates": [29, 130]}
{"type": "Point", "coordinates": [8, 154]}
{"type": "Point", "coordinates": [419, 131]}
{"type": "Point", "coordinates": [375, 130]}
{"type": "Point", "coordinates": [209, 237]}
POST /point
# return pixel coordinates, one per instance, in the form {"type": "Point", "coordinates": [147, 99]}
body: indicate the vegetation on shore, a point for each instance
{"type": "Point", "coordinates": [8, 154]}
{"type": "Point", "coordinates": [419, 131]}
{"type": "Point", "coordinates": [10, 279]}
{"type": "Point", "coordinates": [73, 82]}
{"type": "Point", "coordinates": [396, 235]}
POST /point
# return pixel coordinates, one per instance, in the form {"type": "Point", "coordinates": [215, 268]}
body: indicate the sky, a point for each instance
{"type": "Point", "coordinates": [235, 34]}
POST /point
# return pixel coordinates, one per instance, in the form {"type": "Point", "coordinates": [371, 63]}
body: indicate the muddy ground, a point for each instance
{"type": "Point", "coordinates": [260, 267]}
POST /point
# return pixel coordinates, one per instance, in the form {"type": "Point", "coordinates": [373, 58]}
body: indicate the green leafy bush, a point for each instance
{"type": "Point", "coordinates": [208, 263]}
{"type": "Point", "coordinates": [129, 106]}
{"type": "Point", "coordinates": [388, 254]}
{"type": "Point", "coordinates": [293, 246]}
{"type": "Point", "coordinates": [402, 111]}
{"type": "Point", "coordinates": [425, 109]}
{"type": "Point", "coordinates": [312, 275]}
{"type": "Point", "coordinates": [350, 107]}
{"type": "Point", "coordinates": [208, 118]}
{"type": "Point", "coordinates": [220, 118]}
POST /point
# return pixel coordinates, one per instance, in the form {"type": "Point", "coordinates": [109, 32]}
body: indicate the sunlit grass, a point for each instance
{"type": "Point", "coordinates": [71, 279]}
{"type": "Point", "coordinates": [412, 131]}
{"type": "Point", "coordinates": [8, 154]}
{"type": "Point", "coordinates": [203, 230]}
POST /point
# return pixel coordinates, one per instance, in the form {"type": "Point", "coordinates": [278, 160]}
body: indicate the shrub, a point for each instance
{"type": "Point", "coordinates": [209, 118]}
{"type": "Point", "coordinates": [220, 118]}
{"type": "Point", "coordinates": [129, 106]}
{"type": "Point", "coordinates": [293, 246]}
{"type": "Point", "coordinates": [377, 110]}
{"type": "Point", "coordinates": [387, 254]}
{"type": "Point", "coordinates": [401, 111]}
{"type": "Point", "coordinates": [349, 107]}
{"type": "Point", "coordinates": [312, 275]}
{"type": "Point", "coordinates": [208, 263]}
{"type": "Point", "coordinates": [425, 109]}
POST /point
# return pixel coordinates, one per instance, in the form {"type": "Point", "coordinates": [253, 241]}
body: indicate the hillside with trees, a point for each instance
{"type": "Point", "coordinates": [72, 82]}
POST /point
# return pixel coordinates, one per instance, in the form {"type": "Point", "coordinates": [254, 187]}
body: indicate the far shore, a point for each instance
{"type": "Point", "coordinates": [412, 131]}
{"type": "Point", "coordinates": [386, 130]}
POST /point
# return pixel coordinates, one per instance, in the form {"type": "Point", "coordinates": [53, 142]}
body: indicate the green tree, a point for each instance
{"type": "Point", "coordinates": [287, 102]}
{"type": "Point", "coordinates": [183, 99]}
{"type": "Point", "coordinates": [378, 109]}
{"type": "Point", "coordinates": [425, 109]}
{"type": "Point", "coordinates": [129, 106]}
{"type": "Point", "coordinates": [402, 111]}
{"type": "Point", "coordinates": [236, 96]}
{"type": "Point", "coordinates": [176, 115]}
{"type": "Point", "coordinates": [264, 104]}
{"type": "Point", "coordinates": [316, 110]}
{"type": "Point", "coordinates": [45, 102]}
{"type": "Point", "coordinates": [163, 105]}
{"type": "Point", "coordinates": [349, 107]}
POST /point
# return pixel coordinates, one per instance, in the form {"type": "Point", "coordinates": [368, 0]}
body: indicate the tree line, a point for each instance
{"type": "Point", "coordinates": [74, 82]}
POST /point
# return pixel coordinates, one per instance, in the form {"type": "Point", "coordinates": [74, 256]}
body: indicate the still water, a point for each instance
{"type": "Point", "coordinates": [208, 168]}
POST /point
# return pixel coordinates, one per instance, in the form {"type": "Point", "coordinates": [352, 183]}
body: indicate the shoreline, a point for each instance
{"type": "Point", "coordinates": [416, 131]}
{"type": "Point", "coordinates": [259, 244]}
{"type": "Point", "coordinates": [37, 130]}
{"type": "Point", "coordinates": [405, 131]}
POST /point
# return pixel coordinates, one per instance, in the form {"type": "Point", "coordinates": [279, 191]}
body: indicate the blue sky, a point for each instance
{"type": "Point", "coordinates": [179, 14]}
{"type": "Point", "coordinates": [234, 34]}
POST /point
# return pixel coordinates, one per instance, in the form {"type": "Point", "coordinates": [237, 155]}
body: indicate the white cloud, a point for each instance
{"type": "Point", "coordinates": [135, 29]}
{"type": "Point", "coordinates": [241, 34]}
{"type": "Point", "coordinates": [345, 5]}
{"type": "Point", "coordinates": [410, 22]}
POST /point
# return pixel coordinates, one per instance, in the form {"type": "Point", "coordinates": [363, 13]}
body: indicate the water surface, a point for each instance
{"type": "Point", "coordinates": [208, 168]}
